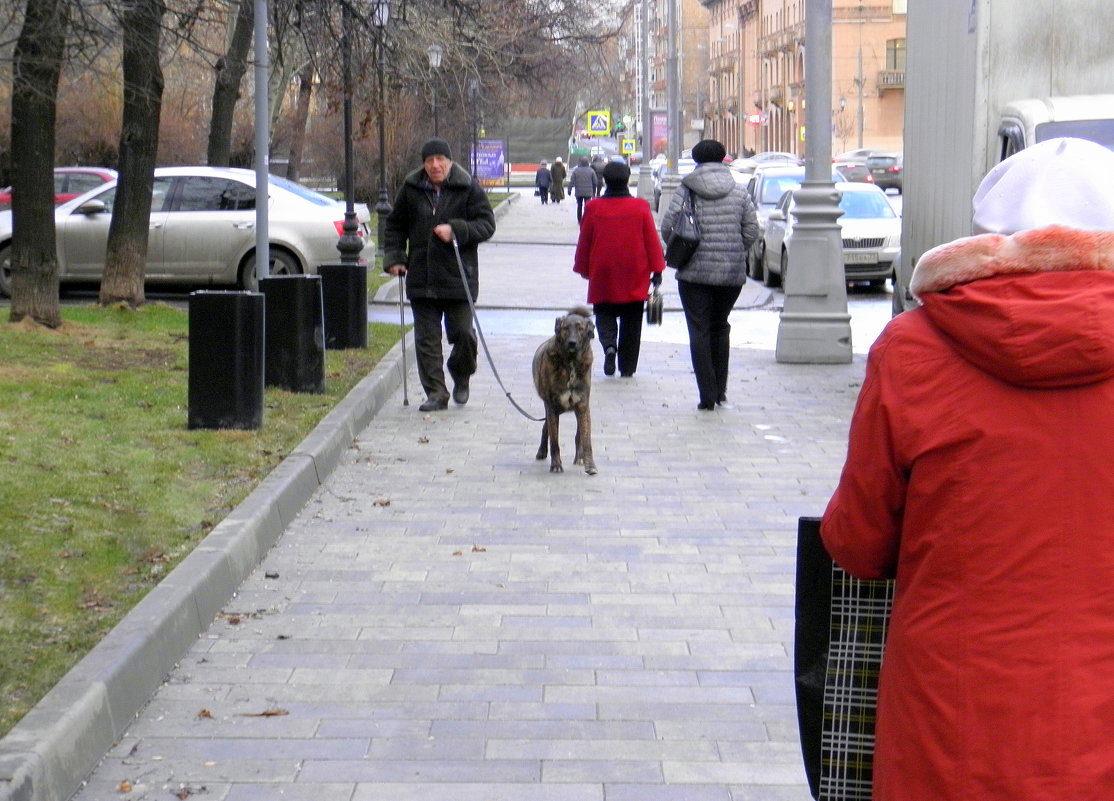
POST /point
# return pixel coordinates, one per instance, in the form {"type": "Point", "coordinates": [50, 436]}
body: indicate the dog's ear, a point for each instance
{"type": "Point", "coordinates": [557, 325]}
{"type": "Point", "coordinates": [591, 329]}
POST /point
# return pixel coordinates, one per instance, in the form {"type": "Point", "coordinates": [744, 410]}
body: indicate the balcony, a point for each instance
{"type": "Point", "coordinates": [890, 79]}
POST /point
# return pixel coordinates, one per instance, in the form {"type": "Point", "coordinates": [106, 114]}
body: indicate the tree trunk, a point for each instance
{"type": "Point", "coordinates": [298, 124]}
{"type": "Point", "coordinates": [226, 92]}
{"type": "Point", "coordinates": [126, 258]}
{"type": "Point", "coordinates": [37, 63]}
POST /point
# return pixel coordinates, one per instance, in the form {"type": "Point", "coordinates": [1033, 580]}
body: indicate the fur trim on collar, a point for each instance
{"type": "Point", "coordinates": [1042, 250]}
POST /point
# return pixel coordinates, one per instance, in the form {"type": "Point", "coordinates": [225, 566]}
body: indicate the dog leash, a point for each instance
{"type": "Point", "coordinates": [480, 333]}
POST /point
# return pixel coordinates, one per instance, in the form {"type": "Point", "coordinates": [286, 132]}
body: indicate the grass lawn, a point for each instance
{"type": "Point", "coordinates": [102, 487]}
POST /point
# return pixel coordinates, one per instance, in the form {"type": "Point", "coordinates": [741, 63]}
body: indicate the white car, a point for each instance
{"type": "Point", "coordinates": [202, 229]}
{"type": "Point", "coordinates": [870, 229]}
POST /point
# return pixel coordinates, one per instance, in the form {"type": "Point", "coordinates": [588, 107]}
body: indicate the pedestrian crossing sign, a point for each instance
{"type": "Point", "coordinates": [599, 123]}
{"type": "Point", "coordinates": [627, 146]}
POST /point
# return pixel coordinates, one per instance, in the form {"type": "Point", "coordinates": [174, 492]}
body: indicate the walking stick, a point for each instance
{"type": "Point", "coordinates": [402, 329]}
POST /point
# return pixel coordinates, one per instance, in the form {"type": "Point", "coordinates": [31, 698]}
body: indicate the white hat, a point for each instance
{"type": "Point", "coordinates": [1066, 181]}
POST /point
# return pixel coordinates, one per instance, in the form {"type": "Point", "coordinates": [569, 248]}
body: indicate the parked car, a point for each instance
{"type": "Point", "coordinates": [766, 187]}
{"type": "Point", "coordinates": [854, 170]}
{"type": "Point", "coordinates": [202, 229]}
{"type": "Point", "coordinates": [69, 182]}
{"type": "Point", "coordinates": [767, 158]}
{"type": "Point", "coordinates": [886, 170]}
{"type": "Point", "coordinates": [685, 165]}
{"type": "Point", "coordinates": [859, 154]}
{"type": "Point", "coordinates": [870, 230]}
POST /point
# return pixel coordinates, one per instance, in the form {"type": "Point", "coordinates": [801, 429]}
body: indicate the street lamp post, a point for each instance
{"type": "Point", "coordinates": [382, 12]}
{"type": "Point", "coordinates": [350, 245]}
{"type": "Point", "coordinates": [473, 97]}
{"type": "Point", "coordinates": [434, 51]}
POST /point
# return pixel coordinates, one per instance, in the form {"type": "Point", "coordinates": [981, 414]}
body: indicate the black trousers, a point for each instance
{"type": "Point", "coordinates": [581, 202]}
{"type": "Point", "coordinates": [706, 311]}
{"type": "Point", "coordinates": [457, 316]}
{"type": "Point", "coordinates": [619, 326]}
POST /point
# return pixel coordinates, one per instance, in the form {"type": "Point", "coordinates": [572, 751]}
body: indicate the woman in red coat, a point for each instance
{"type": "Point", "coordinates": [619, 252]}
{"type": "Point", "coordinates": [980, 473]}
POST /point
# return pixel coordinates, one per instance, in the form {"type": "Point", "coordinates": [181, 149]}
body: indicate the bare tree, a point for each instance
{"type": "Point", "coordinates": [33, 257]}
{"type": "Point", "coordinates": [125, 260]}
{"type": "Point", "coordinates": [230, 69]}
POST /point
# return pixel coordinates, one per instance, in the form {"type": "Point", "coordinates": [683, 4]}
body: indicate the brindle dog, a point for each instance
{"type": "Point", "coordinates": [563, 378]}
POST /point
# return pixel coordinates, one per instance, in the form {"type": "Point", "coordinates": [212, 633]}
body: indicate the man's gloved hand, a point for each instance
{"type": "Point", "coordinates": [655, 279]}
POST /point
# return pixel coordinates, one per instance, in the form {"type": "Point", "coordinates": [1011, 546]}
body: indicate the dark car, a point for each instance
{"type": "Point", "coordinates": [854, 170]}
{"type": "Point", "coordinates": [885, 169]}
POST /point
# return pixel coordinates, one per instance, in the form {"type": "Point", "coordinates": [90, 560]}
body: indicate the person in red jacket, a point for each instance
{"type": "Point", "coordinates": [980, 475]}
{"type": "Point", "coordinates": [619, 252]}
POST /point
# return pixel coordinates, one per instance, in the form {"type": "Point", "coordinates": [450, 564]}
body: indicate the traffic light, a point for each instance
{"type": "Point", "coordinates": [619, 126]}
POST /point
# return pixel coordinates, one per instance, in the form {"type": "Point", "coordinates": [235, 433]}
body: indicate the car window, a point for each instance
{"type": "Point", "coordinates": [80, 183]}
{"type": "Point", "coordinates": [865, 205]}
{"type": "Point", "coordinates": [159, 192]}
{"type": "Point", "coordinates": [774, 188]}
{"type": "Point", "coordinates": [881, 161]}
{"type": "Point", "coordinates": [205, 193]}
{"type": "Point", "coordinates": [302, 191]}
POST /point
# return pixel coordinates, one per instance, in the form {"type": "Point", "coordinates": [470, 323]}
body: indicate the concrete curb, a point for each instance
{"type": "Point", "coordinates": [48, 754]}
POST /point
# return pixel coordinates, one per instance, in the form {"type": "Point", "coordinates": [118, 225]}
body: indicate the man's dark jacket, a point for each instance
{"type": "Point", "coordinates": [431, 268]}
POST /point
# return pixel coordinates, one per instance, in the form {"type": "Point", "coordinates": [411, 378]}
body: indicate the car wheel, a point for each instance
{"type": "Point", "coordinates": [282, 263]}
{"type": "Point", "coordinates": [757, 261]}
{"type": "Point", "coordinates": [769, 277]}
{"type": "Point", "coordinates": [6, 270]}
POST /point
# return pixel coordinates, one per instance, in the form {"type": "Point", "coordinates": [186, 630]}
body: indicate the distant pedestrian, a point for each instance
{"type": "Point", "coordinates": [559, 172]}
{"type": "Point", "coordinates": [979, 474]}
{"type": "Point", "coordinates": [438, 202]}
{"type": "Point", "coordinates": [543, 179]}
{"type": "Point", "coordinates": [711, 282]}
{"type": "Point", "coordinates": [598, 163]}
{"type": "Point", "coordinates": [619, 252]}
{"type": "Point", "coordinates": [583, 183]}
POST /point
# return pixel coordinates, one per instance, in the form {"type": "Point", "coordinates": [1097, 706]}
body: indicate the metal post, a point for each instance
{"type": "Point", "coordinates": [383, 204]}
{"type": "Point", "coordinates": [350, 245]}
{"type": "Point", "coordinates": [815, 327]}
{"type": "Point", "coordinates": [645, 180]}
{"type": "Point", "coordinates": [262, 143]}
{"type": "Point", "coordinates": [673, 99]}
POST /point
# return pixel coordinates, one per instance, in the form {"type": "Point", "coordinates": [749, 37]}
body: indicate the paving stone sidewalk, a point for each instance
{"type": "Point", "coordinates": [446, 620]}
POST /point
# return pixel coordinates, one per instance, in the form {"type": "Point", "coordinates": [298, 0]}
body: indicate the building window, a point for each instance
{"type": "Point", "coordinates": [895, 54]}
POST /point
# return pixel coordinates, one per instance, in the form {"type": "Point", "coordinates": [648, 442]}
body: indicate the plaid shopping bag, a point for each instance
{"type": "Point", "coordinates": [839, 637]}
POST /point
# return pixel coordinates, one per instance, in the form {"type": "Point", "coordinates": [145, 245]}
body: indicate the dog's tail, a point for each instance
{"type": "Point", "coordinates": [583, 311]}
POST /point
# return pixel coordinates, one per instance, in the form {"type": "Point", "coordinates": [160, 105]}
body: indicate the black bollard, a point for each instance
{"type": "Point", "coordinates": [344, 289]}
{"type": "Point", "coordinates": [226, 360]}
{"type": "Point", "coordinates": [295, 336]}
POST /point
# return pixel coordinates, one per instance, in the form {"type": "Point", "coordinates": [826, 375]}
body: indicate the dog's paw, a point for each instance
{"type": "Point", "coordinates": [590, 469]}
{"type": "Point", "coordinates": [556, 468]}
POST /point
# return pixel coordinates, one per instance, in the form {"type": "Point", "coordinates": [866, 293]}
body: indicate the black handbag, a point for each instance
{"type": "Point", "coordinates": [685, 238]}
{"type": "Point", "coordinates": [655, 307]}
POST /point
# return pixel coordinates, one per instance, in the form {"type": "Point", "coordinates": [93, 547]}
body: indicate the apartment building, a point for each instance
{"type": "Point", "coordinates": [742, 69]}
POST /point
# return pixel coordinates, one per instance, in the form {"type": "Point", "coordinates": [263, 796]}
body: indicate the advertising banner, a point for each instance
{"type": "Point", "coordinates": [490, 160]}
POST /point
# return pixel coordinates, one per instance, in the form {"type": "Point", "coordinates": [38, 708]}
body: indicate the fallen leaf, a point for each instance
{"type": "Point", "coordinates": [478, 549]}
{"type": "Point", "coordinates": [458, 553]}
{"type": "Point", "coordinates": [268, 713]}
{"type": "Point", "coordinates": [382, 502]}
{"type": "Point", "coordinates": [271, 575]}
{"type": "Point", "coordinates": [205, 713]}
{"type": "Point", "coordinates": [125, 786]}
{"type": "Point", "coordinates": [423, 440]}
{"type": "Point", "coordinates": [449, 470]}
